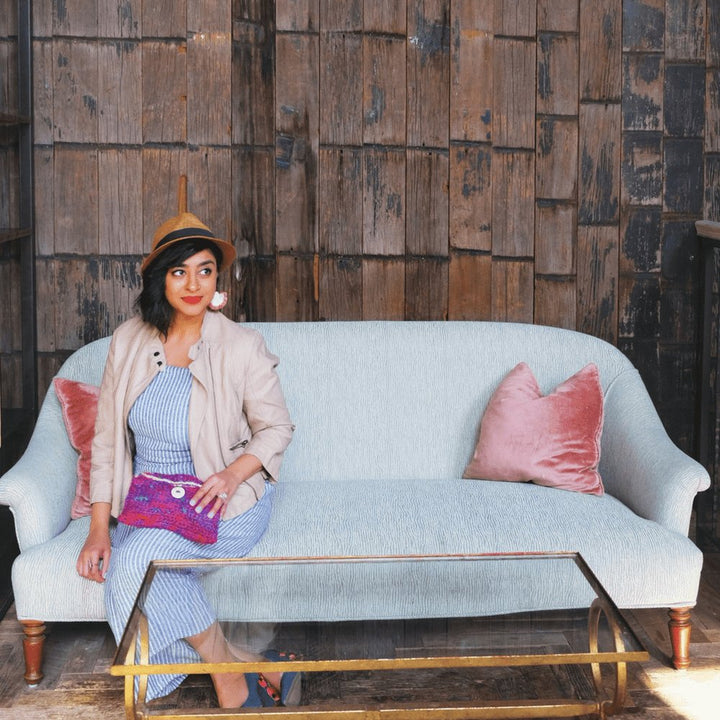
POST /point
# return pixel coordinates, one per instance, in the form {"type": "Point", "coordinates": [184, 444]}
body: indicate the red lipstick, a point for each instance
{"type": "Point", "coordinates": [192, 299]}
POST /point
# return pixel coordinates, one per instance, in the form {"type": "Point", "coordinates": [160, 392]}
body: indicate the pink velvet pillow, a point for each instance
{"type": "Point", "coordinates": [79, 408]}
{"type": "Point", "coordinates": [551, 440]}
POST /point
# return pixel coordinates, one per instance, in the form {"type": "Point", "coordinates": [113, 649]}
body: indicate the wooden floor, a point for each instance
{"type": "Point", "coordinates": [77, 685]}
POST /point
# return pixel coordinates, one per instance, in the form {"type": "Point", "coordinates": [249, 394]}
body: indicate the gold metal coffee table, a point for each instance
{"type": "Point", "coordinates": [592, 643]}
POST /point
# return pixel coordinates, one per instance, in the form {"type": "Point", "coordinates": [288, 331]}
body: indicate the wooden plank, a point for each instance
{"type": "Point", "coordinates": [209, 188]}
{"type": "Point", "coordinates": [558, 67]}
{"type": "Point", "coordinates": [44, 177]}
{"type": "Point", "coordinates": [556, 165]}
{"type": "Point", "coordinates": [514, 69]}
{"type": "Point", "coordinates": [644, 25]}
{"type": "Point", "coordinates": [75, 91]}
{"type": "Point", "coordinates": [341, 80]}
{"type": "Point", "coordinates": [685, 30]}
{"type": "Point", "coordinates": [558, 15]}
{"type": "Point", "coordinates": [711, 203]}
{"type": "Point", "coordinates": [684, 107]}
{"type": "Point", "coordinates": [555, 238]}
{"type": "Point", "coordinates": [253, 199]}
{"type": "Point", "coordinates": [512, 291]}
{"type": "Point", "coordinates": [555, 302]}
{"type": "Point", "coordinates": [384, 17]}
{"type": "Point", "coordinates": [162, 168]}
{"type": "Point", "coordinates": [639, 306]}
{"type": "Point", "coordinates": [295, 289]}
{"type": "Point", "coordinates": [296, 151]}
{"type": "Point", "coordinates": [120, 202]}
{"type": "Point", "coordinates": [600, 49]}
{"type": "Point", "coordinates": [428, 74]}
{"type": "Point", "coordinates": [43, 87]}
{"type": "Point", "coordinates": [10, 299]}
{"type": "Point", "coordinates": [119, 93]}
{"type": "Point", "coordinates": [118, 286]}
{"type": "Point", "coordinates": [471, 92]}
{"type": "Point", "coordinates": [599, 160]}
{"type": "Point", "coordinates": [712, 111]}
{"type": "Point", "coordinates": [209, 83]}
{"type": "Point", "coordinates": [75, 190]}
{"type": "Point", "coordinates": [347, 16]}
{"type": "Point", "coordinates": [11, 380]}
{"type": "Point", "coordinates": [383, 289]}
{"type": "Point", "coordinates": [643, 91]}
{"type": "Point", "coordinates": [75, 17]}
{"type": "Point", "coordinates": [76, 281]}
{"type": "Point", "coordinates": [297, 15]}
{"type": "Point", "coordinates": [119, 20]}
{"type": "Point", "coordinates": [640, 236]}
{"type": "Point", "coordinates": [340, 216]}
{"type": "Point", "coordinates": [712, 49]}
{"type": "Point", "coordinates": [683, 174]}
{"type": "Point", "coordinates": [383, 202]}
{"type": "Point", "coordinates": [426, 289]}
{"type": "Point", "coordinates": [597, 271]}
{"type": "Point", "coordinates": [427, 219]}
{"type": "Point", "coordinates": [164, 90]}
{"type": "Point", "coordinates": [164, 19]}
{"type": "Point", "coordinates": [516, 18]}
{"type": "Point", "coordinates": [253, 78]}
{"type": "Point", "coordinates": [513, 210]}
{"type": "Point", "coordinates": [262, 291]}
{"type": "Point", "coordinates": [642, 168]}
{"type": "Point", "coordinates": [42, 19]}
{"type": "Point", "coordinates": [469, 286]}
{"type": "Point", "coordinates": [209, 17]}
{"type": "Point", "coordinates": [384, 90]}
{"type": "Point", "coordinates": [470, 208]}
{"type": "Point", "coordinates": [341, 286]}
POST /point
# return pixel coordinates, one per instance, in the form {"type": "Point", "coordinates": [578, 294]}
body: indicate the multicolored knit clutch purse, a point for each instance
{"type": "Point", "coordinates": [163, 501]}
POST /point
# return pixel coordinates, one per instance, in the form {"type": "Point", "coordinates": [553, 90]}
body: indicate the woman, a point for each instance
{"type": "Point", "coordinates": [185, 391]}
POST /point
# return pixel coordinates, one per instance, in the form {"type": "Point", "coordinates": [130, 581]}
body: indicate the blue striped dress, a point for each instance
{"type": "Point", "coordinates": [176, 607]}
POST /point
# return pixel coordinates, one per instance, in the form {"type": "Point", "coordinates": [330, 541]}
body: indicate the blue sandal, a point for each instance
{"type": "Point", "coordinates": [254, 699]}
{"type": "Point", "coordinates": [290, 683]}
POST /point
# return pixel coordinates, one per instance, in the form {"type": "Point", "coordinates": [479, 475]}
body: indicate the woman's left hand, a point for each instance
{"type": "Point", "coordinates": [217, 490]}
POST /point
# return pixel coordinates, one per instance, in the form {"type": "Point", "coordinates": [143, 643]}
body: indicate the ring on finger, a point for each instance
{"type": "Point", "coordinates": [223, 496]}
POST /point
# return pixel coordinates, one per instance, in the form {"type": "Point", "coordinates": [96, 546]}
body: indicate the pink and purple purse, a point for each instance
{"type": "Point", "coordinates": [163, 501]}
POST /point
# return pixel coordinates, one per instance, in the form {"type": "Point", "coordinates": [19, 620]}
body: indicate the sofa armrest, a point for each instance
{"type": "Point", "coordinates": [640, 465]}
{"type": "Point", "coordinates": [40, 487]}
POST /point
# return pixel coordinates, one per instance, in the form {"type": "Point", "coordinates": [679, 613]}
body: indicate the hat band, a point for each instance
{"type": "Point", "coordinates": [184, 233]}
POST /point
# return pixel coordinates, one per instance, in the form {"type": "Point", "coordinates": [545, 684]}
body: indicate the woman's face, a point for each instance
{"type": "Point", "coordinates": [189, 287]}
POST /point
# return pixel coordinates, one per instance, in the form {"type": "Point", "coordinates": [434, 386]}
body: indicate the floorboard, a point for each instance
{"type": "Point", "coordinates": [78, 686]}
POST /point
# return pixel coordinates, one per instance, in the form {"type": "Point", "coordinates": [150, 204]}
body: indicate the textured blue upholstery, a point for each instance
{"type": "Point", "coordinates": [387, 415]}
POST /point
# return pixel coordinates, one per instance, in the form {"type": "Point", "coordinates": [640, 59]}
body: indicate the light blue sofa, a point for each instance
{"type": "Point", "coordinates": [387, 415]}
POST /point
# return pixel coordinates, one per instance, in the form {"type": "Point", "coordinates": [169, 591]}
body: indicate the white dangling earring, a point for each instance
{"type": "Point", "coordinates": [219, 300]}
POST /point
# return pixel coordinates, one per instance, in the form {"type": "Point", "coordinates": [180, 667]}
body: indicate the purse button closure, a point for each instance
{"type": "Point", "coordinates": [178, 492]}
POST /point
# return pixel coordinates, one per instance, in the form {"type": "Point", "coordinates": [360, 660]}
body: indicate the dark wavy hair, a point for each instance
{"type": "Point", "coordinates": [152, 303]}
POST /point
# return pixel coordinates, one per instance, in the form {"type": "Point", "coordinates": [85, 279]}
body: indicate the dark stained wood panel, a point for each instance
{"type": "Point", "coordinates": [712, 114]}
{"type": "Point", "coordinates": [514, 68]}
{"type": "Point", "coordinates": [384, 202]}
{"type": "Point", "coordinates": [120, 202]}
{"type": "Point", "coordinates": [555, 238]}
{"type": "Point", "coordinates": [164, 92]}
{"type": "Point", "coordinates": [600, 49]}
{"type": "Point", "coordinates": [513, 208]}
{"type": "Point", "coordinates": [428, 73]}
{"type": "Point", "coordinates": [471, 197]}
{"type": "Point", "coordinates": [253, 200]}
{"type": "Point", "coordinates": [643, 91]}
{"type": "Point", "coordinates": [295, 289]}
{"type": "Point", "coordinates": [512, 291]}
{"type": "Point", "coordinates": [597, 278]}
{"type": "Point", "coordinates": [470, 286]}
{"type": "Point", "coordinates": [341, 88]}
{"type": "Point", "coordinates": [556, 163]}
{"type": "Point", "coordinates": [260, 279]}
{"type": "Point", "coordinates": [471, 92]}
{"type": "Point", "coordinates": [75, 91]}
{"type": "Point", "coordinates": [642, 168]}
{"type": "Point", "coordinates": [427, 203]}
{"type": "Point", "coordinates": [296, 149]}
{"type": "Point", "coordinates": [383, 289]}
{"type": "Point", "coordinates": [640, 240]}
{"type": "Point", "coordinates": [340, 209]}
{"type": "Point", "coordinates": [557, 74]}
{"type": "Point", "coordinates": [384, 90]}
{"type": "Point", "coordinates": [341, 289]}
{"type": "Point", "coordinates": [426, 289]}
{"type": "Point", "coordinates": [119, 93]}
{"type": "Point", "coordinates": [685, 30]}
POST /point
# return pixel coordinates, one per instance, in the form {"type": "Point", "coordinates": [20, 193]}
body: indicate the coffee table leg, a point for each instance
{"type": "Point", "coordinates": [607, 707]}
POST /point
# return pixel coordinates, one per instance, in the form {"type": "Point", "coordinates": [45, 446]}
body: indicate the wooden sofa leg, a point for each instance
{"type": "Point", "coordinates": [680, 627]}
{"type": "Point", "coordinates": [33, 645]}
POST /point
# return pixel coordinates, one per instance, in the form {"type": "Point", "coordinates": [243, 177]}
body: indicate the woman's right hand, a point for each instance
{"type": "Point", "coordinates": [94, 558]}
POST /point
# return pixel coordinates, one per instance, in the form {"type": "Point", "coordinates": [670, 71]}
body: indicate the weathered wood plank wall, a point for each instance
{"type": "Point", "coordinates": [525, 160]}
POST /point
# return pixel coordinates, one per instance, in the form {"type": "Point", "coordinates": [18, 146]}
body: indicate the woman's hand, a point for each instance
{"type": "Point", "coordinates": [94, 558]}
{"type": "Point", "coordinates": [217, 490]}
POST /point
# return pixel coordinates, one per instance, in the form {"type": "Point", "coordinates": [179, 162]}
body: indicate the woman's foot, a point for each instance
{"type": "Point", "coordinates": [233, 690]}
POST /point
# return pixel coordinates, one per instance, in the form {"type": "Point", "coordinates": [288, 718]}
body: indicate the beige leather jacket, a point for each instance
{"type": "Point", "coordinates": [236, 406]}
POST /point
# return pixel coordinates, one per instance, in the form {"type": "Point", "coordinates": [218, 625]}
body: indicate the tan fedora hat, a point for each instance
{"type": "Point", "coordinates": [186, 226]}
